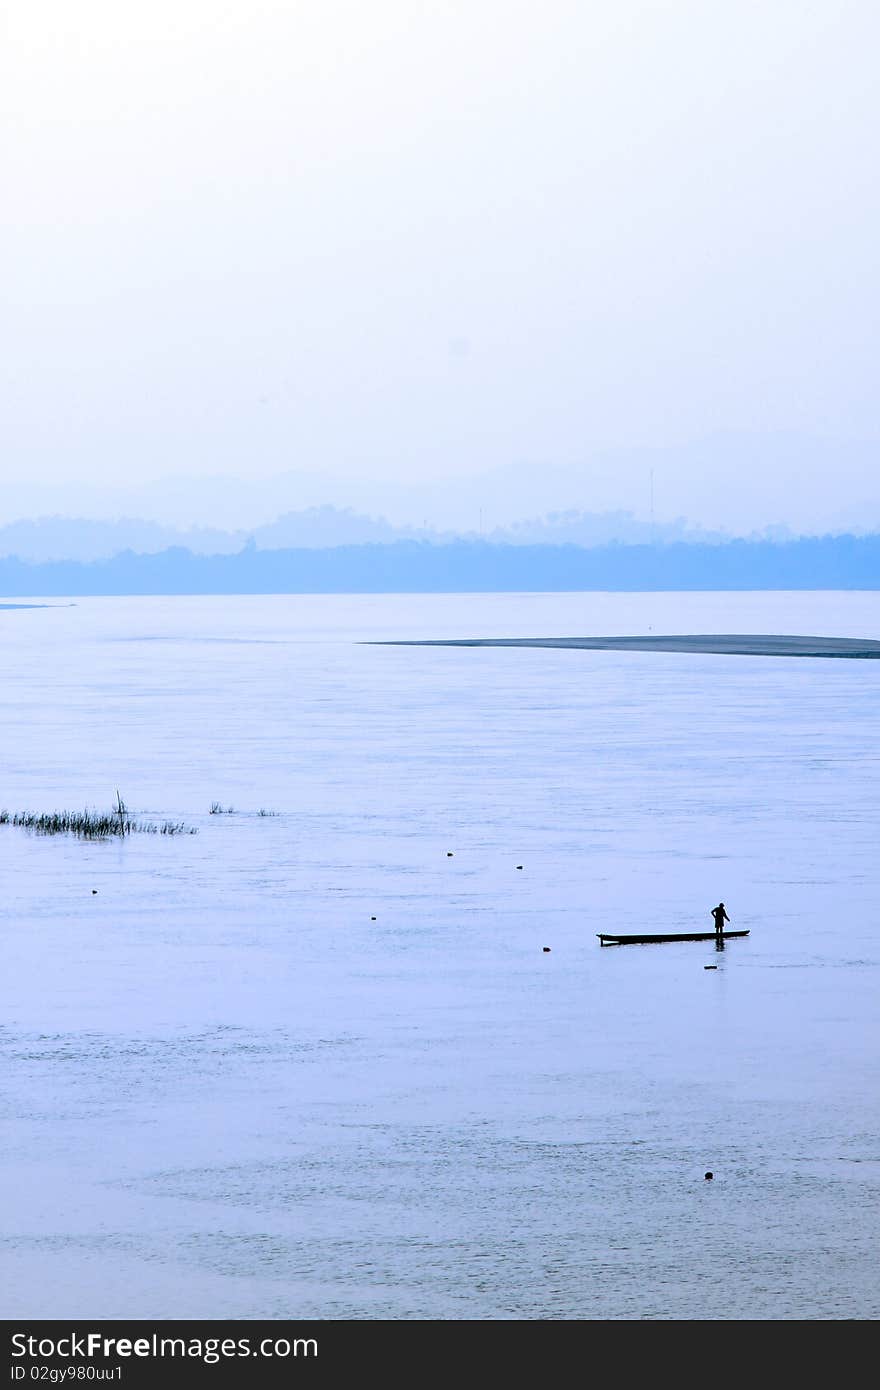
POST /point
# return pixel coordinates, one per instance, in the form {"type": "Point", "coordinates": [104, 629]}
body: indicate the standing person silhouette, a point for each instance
{"type": "Point", "coordinates": [720, 918]}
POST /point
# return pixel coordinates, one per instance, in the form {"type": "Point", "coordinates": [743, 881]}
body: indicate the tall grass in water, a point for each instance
{"type": "Point", "coordinates": [91, 825]}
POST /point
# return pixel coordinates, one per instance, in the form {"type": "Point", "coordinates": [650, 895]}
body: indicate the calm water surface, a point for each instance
{"type": "Point", "coordinates": [229, 1092]}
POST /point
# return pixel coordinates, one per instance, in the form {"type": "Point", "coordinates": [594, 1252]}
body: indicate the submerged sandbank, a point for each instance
{"type": "Point", "coordinates": [760, 644]}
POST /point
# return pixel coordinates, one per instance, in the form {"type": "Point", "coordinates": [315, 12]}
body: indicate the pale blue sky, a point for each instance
{"type": "Point", "coordinates": [412, 243]}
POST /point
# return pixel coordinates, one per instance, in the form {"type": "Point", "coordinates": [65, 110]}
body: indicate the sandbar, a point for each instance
{"type": "Point", "coordinates": [724, 644]}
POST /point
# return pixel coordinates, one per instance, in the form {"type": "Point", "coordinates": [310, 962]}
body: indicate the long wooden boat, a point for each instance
{"type": "Point", "coordinates": [643, 939]}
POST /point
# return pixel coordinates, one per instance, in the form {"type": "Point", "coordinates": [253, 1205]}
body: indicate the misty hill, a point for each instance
{"type": "Point", "coordinates": [735, 481]}
{"type": "Point", "coordinates": [830, 562]}
{"type": "Point", "coordinates": [573, 527]}
{"type": "Point", "coordinates": [79, 538]}
{"type": "Point", "coordinates": [86, 539]}
{"type": "Point", "coordinates": [82, 538]}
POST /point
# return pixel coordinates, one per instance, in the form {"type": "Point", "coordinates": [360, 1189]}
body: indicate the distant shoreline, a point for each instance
{"type": "Point", "coordinates": [408, 567]}
{"type": "Point", "coordinates": [759, 644]}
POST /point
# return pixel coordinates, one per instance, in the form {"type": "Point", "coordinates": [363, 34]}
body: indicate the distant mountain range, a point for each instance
{"type": "Point", "coordinates": [315, 528]}
{"type": "Point", "coordinates": [734, 482]}
{"type": "Point", "coordinates": [829, 562]}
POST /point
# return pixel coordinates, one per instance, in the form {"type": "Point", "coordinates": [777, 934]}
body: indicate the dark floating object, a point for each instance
{"type": "Point", "coordinates": [710, 967]}
{"type": "Point", "coordinates": [449, 854]}
{"type": "Point", "coordinates": [546, 948]}
{"type": "Point", "coordinates": [606, 940]}
{"type": "Point", "coordinates": [708, 1176]}
{"type": "Point", "coordinates": [372, 919]}
{"type": "Point", "coordinates": [94, 892]}
{"type": "Point", "coordinates": [519, 866]}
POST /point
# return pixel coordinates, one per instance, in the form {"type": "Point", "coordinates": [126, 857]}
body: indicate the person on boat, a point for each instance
{"type": "Point", "coordinates": [720, 918]}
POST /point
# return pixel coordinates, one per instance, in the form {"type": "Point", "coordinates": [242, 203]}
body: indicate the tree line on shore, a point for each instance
{"type": "Point", "coordinates": [822, 562]}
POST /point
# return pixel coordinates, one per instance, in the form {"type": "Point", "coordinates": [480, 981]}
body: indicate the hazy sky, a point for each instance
{"type": "Point", "coordinates": [415, 242]}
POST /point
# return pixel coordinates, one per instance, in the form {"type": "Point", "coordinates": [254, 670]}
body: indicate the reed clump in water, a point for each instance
{"type": "Point", "coordinates": [91, 825]}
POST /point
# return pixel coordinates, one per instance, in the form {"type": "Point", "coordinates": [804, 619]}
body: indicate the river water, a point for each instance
{"type": "Point", "coordinates": [317, 1063]}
